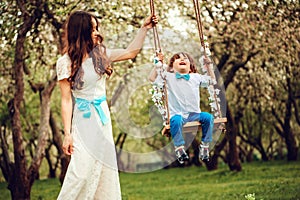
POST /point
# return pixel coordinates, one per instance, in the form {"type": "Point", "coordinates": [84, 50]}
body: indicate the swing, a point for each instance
{"type": "Point", "coordinates": [195, 125]}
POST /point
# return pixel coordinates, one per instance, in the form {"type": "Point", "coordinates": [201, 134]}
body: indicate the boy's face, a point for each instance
{"type": "Point", "coordinates": [182, 64]}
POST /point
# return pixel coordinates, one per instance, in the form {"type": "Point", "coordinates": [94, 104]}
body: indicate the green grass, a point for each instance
{"type": "Point", "coordinates": [268, 180]}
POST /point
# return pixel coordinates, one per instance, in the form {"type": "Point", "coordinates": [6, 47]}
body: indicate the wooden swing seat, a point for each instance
{"type": "Point", "coordinates": [190, 126]}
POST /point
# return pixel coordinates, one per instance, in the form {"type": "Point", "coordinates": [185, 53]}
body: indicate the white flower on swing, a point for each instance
{"type": "Point", "coordinates": [207, 78]}
{"type": "Point", "coordinates": [216, 114]}
{"type": "Point", "coordinates": [204, 66]}
{"type": "Point", "coordinates": [213, 105]}
{"type": "Point", "coordinates": [157, 98]}
{"type": "Point", "coordinates": [159, 85]}
{"type": "Point", "coordinates": [157, 95]}
{"type": "Point", "coordinates": [210, 98]}
{"type": "Point", "coordinates": [211, 90]}
{"type": "Point", "coordinates": [154, 100]}
{"type": "Point", "coordinates": [207, 50]}
{"type": "Point", "coordinates": [217, 91]}
{"type": "Point", "coordinates": [206, 44]}
{"type": "Point", "coordinates": [201, 60]}
{"type": "Point", "coordinates": [163, 111]}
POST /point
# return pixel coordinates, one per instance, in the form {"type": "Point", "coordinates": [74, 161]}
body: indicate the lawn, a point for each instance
{"type": "Point", "coordinates": [266, 180]}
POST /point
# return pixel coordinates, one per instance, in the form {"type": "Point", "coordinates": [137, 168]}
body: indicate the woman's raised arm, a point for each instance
{"type": "Point", "coordinates": [135, 46]}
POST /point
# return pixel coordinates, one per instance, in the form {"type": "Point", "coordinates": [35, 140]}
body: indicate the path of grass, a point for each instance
{"type": "Point", "coordinates": [270, 180]}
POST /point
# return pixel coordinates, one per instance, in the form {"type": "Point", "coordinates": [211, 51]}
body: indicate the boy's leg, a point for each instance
{"type": "Point", "coordinates": [207, 123]}
{"type": "Point", "coordinates": [176, 123]}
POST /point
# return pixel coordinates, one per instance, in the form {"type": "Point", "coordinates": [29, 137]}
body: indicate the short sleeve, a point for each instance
{"type": "Point", "coordinates": [63, 67]}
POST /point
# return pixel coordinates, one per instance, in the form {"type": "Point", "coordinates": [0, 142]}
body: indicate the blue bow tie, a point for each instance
{"type": "Point", "coordinates": [184, 76]}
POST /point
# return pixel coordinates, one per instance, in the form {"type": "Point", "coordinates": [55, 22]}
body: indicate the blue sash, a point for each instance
{"type": "Point", "coordinates": [85, 106]}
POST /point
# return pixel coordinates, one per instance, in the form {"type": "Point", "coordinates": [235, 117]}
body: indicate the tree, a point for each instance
{"type": "Point", "coordinates": [21, 179]}
{"type": "Point", "coordinates": [19, 176]}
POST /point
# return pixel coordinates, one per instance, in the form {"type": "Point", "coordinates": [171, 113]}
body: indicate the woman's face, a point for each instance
{"type": "Point", "coordinates": [182, 64]}
{"type": "Point", "coordinates": [95, 32]}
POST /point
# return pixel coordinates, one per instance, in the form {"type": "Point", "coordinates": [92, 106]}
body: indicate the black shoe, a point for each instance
{"type": "Point", "coordinates": [181, 155]}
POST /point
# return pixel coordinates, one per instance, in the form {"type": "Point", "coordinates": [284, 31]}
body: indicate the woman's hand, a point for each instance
{"type": "Point", "coordinates": [150, 21]}
{"type": "Point", "coordinates": [68, 144]}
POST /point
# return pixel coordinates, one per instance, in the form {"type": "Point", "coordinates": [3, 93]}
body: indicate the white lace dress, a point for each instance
{"type": "Point", "coordinates": [92, 172]}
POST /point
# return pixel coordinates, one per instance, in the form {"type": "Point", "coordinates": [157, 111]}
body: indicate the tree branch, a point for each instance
{"type": "Point", "coordinates": [277, 117]}
{"type": "Point", "coordinates": [52, 19]}
{"type": "Point", "coordinates": [297, 116]}
{"type": "Point", "coordinates": [237, 66]}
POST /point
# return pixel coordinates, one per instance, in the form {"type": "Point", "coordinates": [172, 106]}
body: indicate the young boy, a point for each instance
{"type": "Point", "coordinates": [183, 84]}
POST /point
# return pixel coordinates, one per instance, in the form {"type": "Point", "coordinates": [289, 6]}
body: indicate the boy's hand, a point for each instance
{"type": "Point", "coordinates": [207, 60]}
{"type": "Point", "coordinates": [160, 56]}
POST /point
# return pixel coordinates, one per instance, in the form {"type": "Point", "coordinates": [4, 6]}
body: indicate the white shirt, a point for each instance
{"type": "Point", "coordinates": [183, 95]}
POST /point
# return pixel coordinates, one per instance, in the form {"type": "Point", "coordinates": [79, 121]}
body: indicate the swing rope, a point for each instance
{"type": "Point", "coordinates": [155, 33]}
{"type": "Point", "coordinates": [201, 36]}
{"type": "Point", "coordinates": [158, 50]}
{"type": "Point", "coordinates": [199, 23]}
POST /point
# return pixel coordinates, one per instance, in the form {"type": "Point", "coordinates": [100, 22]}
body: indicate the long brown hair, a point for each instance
{"type": "Point", "coordinates": [193, 68]}
{"type": "Point", "coordinates": [78, 42]}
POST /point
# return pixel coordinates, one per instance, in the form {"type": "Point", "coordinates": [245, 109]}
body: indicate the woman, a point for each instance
{"type": "Point", "coordinates": [82, 72]}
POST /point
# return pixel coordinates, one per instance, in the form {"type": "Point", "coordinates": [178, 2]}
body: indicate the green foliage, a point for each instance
{"type": "Point", "coordinates": [271, 180]}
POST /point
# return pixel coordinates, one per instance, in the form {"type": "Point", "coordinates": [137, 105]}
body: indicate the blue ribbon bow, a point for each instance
{"type": "Point", "coordinates": [184, 76]}
{"type": "Point", "coordinates": [85, 106]}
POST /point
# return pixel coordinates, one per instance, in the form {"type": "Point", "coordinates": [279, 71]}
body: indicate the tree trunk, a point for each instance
{"type": "Point", "coordinates": [287, 130]}
{"type": "Point", "coordinates": [233, 157]}
{"type": "Point", "coordinates": [57, 141]}
{"type": "Point", "coordinates": [52, 169]}
{"type": "Point", "coordinates": [262, 151]}
{"type": "Point", "coordinates": [213, 161]}
{"type": "Point", "coordinates": [249, 156]}
{"type": "Point", "coordinates": [195, 158]}
{"type": "Point", "coordinates": [19, 184]}
{"type": "Point", "coordinates": [21, 180]}
{"type": "Point", "coordinates": [121, 140]}
{"type": "Point", "coordinates": [44, 129]}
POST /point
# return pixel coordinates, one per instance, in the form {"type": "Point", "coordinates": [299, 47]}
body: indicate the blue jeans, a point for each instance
{"type": "Point", "coordinates": [177, 121]}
